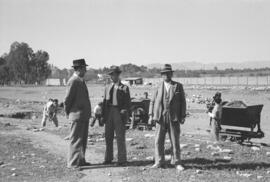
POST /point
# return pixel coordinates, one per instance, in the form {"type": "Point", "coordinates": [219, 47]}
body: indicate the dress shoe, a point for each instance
{"type": "Point", "coordinates": [74, 168]}
{"type": "Point", "coordinates": [67, 138]}
{"type": "Point", "coordinates": [156, 166]}
{"type": "Point", "coordinates": [179, 168]}
{"type": "Point", "coordinates": [107, 162]}
{"type": "Point", "coordinates": [86, 164]}
{"type": "Point", "coordinates": [122, 164]}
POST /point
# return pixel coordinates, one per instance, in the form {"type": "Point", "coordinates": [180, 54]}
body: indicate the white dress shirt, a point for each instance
{"type": "Point", "coordinates": [167, 86]}
{"type": "Point", "coordinates": [114, 99]}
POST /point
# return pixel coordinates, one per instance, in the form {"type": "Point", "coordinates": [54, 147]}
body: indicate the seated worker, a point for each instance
{"type": "Point", "coordinates": [97, 115]}
{"type": "Point", "coordinates": [137, 116]}
{"type": "Point", "coordinates": [216, 115]}
{"type": "Point", "coordinates": [50, 112]}
{"type": "Point", "coordinates": [145, 95]}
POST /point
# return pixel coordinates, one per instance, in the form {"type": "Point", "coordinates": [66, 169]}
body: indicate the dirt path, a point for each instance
{"type": "Point", "coordinates": [57, 146]}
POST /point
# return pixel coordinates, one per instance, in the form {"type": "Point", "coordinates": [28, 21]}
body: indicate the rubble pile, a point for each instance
{"type": "Point", "coordinates": [199, 99]}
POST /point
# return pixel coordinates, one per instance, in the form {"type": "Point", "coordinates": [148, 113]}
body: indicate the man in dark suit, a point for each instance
{"type": "Point", "coordinates": [168, 110]}
{"type": "Point", "coordinates": [78, 111]}
{"type": "Point", "coordinates": [116, 106]}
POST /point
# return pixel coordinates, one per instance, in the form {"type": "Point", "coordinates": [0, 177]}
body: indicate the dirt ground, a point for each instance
{"type": "Point", "coordinates": [28, 154]}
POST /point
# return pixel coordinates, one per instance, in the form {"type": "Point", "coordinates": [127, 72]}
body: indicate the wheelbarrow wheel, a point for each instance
{"type": "Point", "coordinates": [223, 138]}
{"type": "Point", "coordinates": [252, 127]}
{"type": "Point", "coordinates": [260, 134]}
{"type": "Point", "coordinates": [240, 140]}
{"type": "Point", "coordinates": [232, 139]}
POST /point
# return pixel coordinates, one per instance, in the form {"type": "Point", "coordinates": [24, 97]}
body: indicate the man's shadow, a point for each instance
{"type": "Point", "coordinates": [136, 163]}
{"type": "Point", "coordinates": [221, 164]}
{"type": "Point", "coordinates": [194, 163]}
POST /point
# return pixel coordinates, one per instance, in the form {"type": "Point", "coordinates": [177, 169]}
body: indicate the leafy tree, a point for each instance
{"type": "Point", "coordinates": [39, 67]}
{"type": "Point", "coordinates": [55, 72]}
{"type": "Point", "coordinates": [65, 73]}
{"type": "Point", "coordinates": [21, 64]}
{"type": "Point", "coordinates": [2, 61]}
{"type": "Point", "coordinates": [19, 61]}
{"type": "Point", "coordinates": [4, 71]}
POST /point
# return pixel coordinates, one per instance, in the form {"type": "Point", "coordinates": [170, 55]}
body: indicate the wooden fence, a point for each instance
{"type": "Point", "coordinates": [235, 81]}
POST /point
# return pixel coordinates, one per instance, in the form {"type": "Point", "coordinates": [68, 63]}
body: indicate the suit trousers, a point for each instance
{"type": "Point", "coordinates": [78, 142]}
{"type": "Point", "coordinates": [117, 125]}
{"type": "Point", "coordinates": [173, 129]}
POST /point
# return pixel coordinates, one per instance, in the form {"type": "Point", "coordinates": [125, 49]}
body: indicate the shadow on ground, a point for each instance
{"type": "Point", "coordinates": [220, 164]}
{"type": "Point", "coordinates": [129, 164]}
{"type": "Point", "coordinates": [195, 163]}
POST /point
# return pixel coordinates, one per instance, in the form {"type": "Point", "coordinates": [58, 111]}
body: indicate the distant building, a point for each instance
{"type": "Point", "coordinates": [55, 82]}
{"type": "Point", "coordinates": [103, 78]}
{"type": "Point", "coordinates": [134, 80]}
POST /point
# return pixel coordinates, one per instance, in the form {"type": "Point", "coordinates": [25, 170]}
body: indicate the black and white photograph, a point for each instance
{"type": "Point", "coordinates": [134, 90]}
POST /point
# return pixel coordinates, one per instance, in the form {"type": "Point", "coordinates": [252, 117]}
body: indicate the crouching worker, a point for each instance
{"type": "Point", "coordinates": [50, 112]}
{"type": "Point", "coordinates": [97, 115]}
{"type": "Point", "coordinates": [138, 115]}
{"type": "Point", "coordinates": [216, 115]}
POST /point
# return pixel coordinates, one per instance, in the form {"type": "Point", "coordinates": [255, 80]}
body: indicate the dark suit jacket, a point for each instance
{"type": "Point", "coordinates": [177, 103]}
{"type": "Point", "coordinates": [123, 100]}
{"type": "Point", "coordinates": [77, 104]}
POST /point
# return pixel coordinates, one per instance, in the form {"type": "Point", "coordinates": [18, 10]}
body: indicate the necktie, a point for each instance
{"type": "Point", "coordinates": [111, 94]}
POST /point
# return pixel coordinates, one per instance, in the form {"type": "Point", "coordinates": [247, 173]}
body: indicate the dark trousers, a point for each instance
{"type": "Point", "coordinates": [95, 118]}
{"type": "Point", "coordinates": [50, 118]}
{"type": "Point", "coordinates": [115, 124]}
{"type": "Point", "coordinates": [173, 129]}
{"type": "Point", "coordinates": [78, 142]}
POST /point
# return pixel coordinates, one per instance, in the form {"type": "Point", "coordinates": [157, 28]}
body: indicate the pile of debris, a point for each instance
{"type": "Point", "coordinates": [199, 99]}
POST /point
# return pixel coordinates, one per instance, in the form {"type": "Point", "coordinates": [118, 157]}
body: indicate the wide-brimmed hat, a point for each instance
{"type": "Point", "coordinates": [167, 68]}
{"type": "Point", "coordinates": [114, 69]}
{"type": "Point", "coordinates": [79, 63]}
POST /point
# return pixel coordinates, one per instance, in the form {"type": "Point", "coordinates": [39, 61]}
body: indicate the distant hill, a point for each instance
{"type": "Point", "coordinates": [220, 66]}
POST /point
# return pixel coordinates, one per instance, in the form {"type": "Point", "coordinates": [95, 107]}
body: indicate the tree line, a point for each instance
{"type": "Point", "coordinates": [132, 70]}
{"type": "Point", "coordinates": [22, 65]}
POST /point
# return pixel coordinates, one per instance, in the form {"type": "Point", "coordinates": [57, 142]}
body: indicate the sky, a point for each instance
{"type": "Point", "coordinates": [114, 32]}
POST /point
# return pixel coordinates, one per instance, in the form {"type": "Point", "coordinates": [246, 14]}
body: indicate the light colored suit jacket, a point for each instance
{"type": "Point", "coordinates": [177, 103]}
{"type": "Point", "coordinates": [77, 103]}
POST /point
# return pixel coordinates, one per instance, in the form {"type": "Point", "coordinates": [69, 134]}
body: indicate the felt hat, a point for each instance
{"type": "Point", "coordinates": [114, 69]}
{"type": "Point", "coordinates": [167, 68]}
{"type": "Point", "coordinates": [79, 63]}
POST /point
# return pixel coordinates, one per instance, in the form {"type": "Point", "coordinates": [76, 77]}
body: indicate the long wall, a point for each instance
{"type": "Point", "coordinates": [237, 81]}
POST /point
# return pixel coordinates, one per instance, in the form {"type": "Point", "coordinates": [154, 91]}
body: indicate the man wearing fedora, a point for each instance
{"type": "Point", "coordinates": [78, 110]}
{"type": "Point", "coordinates": [168, 109]}
{"type": "Point", "coordinates": [116, 106]}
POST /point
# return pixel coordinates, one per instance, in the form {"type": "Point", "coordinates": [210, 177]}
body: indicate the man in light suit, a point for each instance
{"type": "Point", "coordinates": [78, 111]}
{"type": "Point", "coordinates": [116, 106]}
{"type": "Point", "coordinates": [168, 110]}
